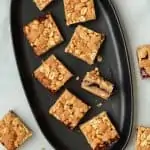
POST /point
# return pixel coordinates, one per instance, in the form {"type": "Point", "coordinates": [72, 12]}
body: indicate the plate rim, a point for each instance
{"type": "Point", "coordinates": [129, 69]}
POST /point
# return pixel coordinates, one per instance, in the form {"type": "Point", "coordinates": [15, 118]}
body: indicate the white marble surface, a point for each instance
{"type": "Point", "coordinates": [135, 17]}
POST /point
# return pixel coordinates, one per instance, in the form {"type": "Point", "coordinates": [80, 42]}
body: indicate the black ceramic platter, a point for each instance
{"type": "Point", "coordinates": [115, 67]}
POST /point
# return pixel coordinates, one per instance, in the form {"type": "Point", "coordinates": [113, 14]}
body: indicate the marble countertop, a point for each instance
{"type": "Point", "coordinates": [135, 18]}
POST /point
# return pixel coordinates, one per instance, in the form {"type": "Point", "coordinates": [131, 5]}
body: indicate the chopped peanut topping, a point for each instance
{"type": "Point", "coordinates": [79, 11]}
{"type": "Point", "coordinates": [143, 138]}
{"type": "Point", "coordinates": [52, 74]}
{"type": "Point", "coordinates": [41, 4]}
{"type": "Point", "coordinates": [85, 44]}
{"type": "Point", "coordinates": [69, 109]}
{"type": "Point", "coordinates": [43, 34]}
{"type": "Point", "coordinates": [99, 132]}
{"type": "Point", "coordinates": [13, 131]}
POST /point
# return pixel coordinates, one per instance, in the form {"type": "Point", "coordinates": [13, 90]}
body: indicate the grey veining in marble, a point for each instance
{"type": "Point", "coordinates": [135, 16]}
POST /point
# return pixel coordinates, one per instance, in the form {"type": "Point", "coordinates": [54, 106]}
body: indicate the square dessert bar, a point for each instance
{"type": "Point", "coordinates": [41, 4]}
{"type": "Point", "coordinates": [43, 34]}
{"type": "Point", "coordinates": [143, 138]}
{"type": "Point", "coordinates": [95, 84]}
{"type": "Point", "coordinates": [143, 53]}
{"type": "Point", "coordinates": [85, 44]}
{"type": "Point", "coordinates": [100, 132]}
{"type": "Point", "coordinates": [79, 11]}
{"type": "Point", "coordinates": [69, 109]}
{"type": "Point", "coordinates": [52, 74]}
{"type": "Point", "coordinates": [13, 132]}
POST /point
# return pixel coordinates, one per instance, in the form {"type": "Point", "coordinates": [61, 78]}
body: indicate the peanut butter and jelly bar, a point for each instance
{"type": "Point", "coordinates": [13, 132]}
{"type": "Point", "coordinates": [95, 84]}
{"type": "Point", "coordinates": [43, 34]}
{"type": "Point", "coordinates": [143, 138]}
{"type": "Point", "coordinates": [41, 4]}
{"type": "Point", "coordinates": [85, 44]}
{"type": "Point", "coordinates": [79, 11]}
{"type": "Point", "coordinates": [52, 74]}
{"type": "Point", "coordinates": [143, 53]}
{"type": "Point", "coordinates": [100, 132]}
{"type": "Point", "coordinates": [69, 109]}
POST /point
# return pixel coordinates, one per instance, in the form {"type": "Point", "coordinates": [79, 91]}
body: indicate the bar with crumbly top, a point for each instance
{"type": "Point", "coordinates": [100, 132]}
{"type": "Point", "coordinates": [79, 11]}
{"type": "Point", "coordinates": [95, 84]}
{"type": "Point", "coordinates": [85, 44]}
{"type": "Point", "coordinates": [143, 53]}
{"type": "Point", "coordinates": [41, 4]}
{"type": "Point", "coordinates": [143, 138]}
{"type": "Point", "coordinates": [43, 34]}
{"type": "Point", "coordinates": [52, 74]}
{"type": "Point", "coordinates": [69, 109]}
{"type": "Point", "coordinates": [13, 132]}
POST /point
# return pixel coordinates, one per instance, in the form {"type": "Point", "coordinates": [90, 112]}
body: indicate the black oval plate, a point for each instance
{"type": "Point", "coordinates": [115, 67]}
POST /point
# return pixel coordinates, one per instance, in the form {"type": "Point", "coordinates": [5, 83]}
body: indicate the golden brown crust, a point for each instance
{"type": "Point", "coordinates": [69, 109]}
{"type": "Point", "coordinates": [52, 74]}
{"type": "Point", "coordinates": [79, 11]}
{"type": "Point", "coordinates": [143, 53]}
{"type": "Point", "coordinates": [85, 44]}
{"type": "Point", "coordinates": [41, 4]}
{"type": "Point", "coordinates": [143, 138]}
{"type": "Point", "coordinates": [13, 132]}
{"type": "Point", "coordinates": [43, 34]}
{"type": "Point", "coordinates": [95, 84]}
{"type": "Point", "coordinates": [100, 132]}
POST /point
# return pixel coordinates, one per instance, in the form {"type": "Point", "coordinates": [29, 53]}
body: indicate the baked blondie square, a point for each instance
{"type": "Point", "coordinates": [52, 74]}
{"type": "Point", "coordinates": [43, 34]}
{"type": "Point", "coordinates": [41, 4]}
{"type": "Point", "coordinates": [69, 109]}
{"type": "Point", "coordinates": [100, 132]}
{"type": "Point", "coordinates": [85, 44]}
{"type": "Point", "coordinates": [79, 11]}
{"type": "Point", "coordinates": [143, 138]}
{"type": "Point", "coordinates": [95, 84]}
{"type": "Point", "coordinates": [13, 132]}
{"type": "Point", "coordinates": [143, 53]}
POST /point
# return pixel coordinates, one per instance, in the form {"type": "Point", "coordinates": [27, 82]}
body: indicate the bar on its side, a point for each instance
{"type": "Point", "coordinates": [95, 84]}
{"type": "Point", "coordinates": [41, 4]}
{"type": "Point", "coordinates": [143, 53]}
